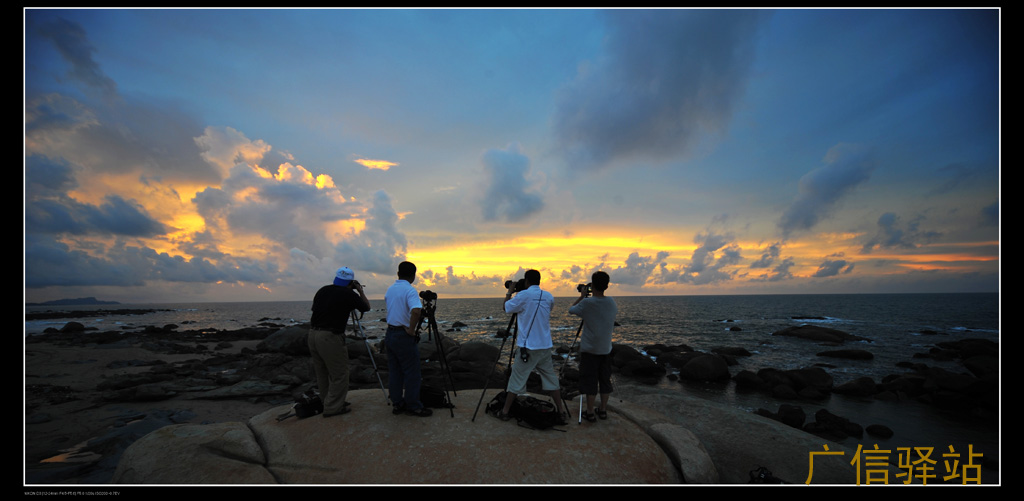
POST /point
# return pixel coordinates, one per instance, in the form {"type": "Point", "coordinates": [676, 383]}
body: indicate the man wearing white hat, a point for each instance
{"type": "Point", "coordinates": [332, 306]}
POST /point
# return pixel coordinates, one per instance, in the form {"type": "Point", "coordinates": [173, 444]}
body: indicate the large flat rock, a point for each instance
{"type": "Point", "coordinates": [370, 445]}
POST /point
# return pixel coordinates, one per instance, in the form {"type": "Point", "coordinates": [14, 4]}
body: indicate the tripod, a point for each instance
{"type": "Point", "coordinates": [514, 328]}
{"type": "Point", "coordinates": [586, 289]}
{"type": "Point", "coordinates": [566, 362]}
{"type": "Point", "coordinates": [369, 351]}
{"type": "Point", "coordinates": [511, 330]}
{"type": "Point", "coordinates": [427, 317]}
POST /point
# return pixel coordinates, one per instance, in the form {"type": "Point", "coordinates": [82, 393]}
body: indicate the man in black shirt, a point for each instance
{"type": "Point", "coordinates": [332, 306]}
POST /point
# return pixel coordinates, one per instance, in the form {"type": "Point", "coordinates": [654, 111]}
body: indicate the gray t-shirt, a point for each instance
{"type": "Point", "coordinates": [598, 321]}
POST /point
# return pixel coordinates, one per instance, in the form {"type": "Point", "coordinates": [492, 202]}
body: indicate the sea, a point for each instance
{"type": "Point", "coordinates": [897, 326]}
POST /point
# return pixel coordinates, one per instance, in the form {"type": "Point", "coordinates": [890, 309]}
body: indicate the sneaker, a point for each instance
{"type": "Point", "coordinates": [398, 409]}
{"type": "Point", "coordinates": [421, 412]}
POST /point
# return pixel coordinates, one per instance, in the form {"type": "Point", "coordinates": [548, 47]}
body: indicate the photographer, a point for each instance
{"type": "Point", "coordinates": [332, 306]}
{"type": "Point", "coordinates": [402, 342]}
{"type": "Point", "coordinates": [598, 315]}
{"type": "Point", "coordinates": [533, 307]}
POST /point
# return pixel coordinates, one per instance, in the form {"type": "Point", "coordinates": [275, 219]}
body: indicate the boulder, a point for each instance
{"type": "Point", "coordinates": [290, 340]}
{"type": "Point", "coordinates": [705, 367]}
{"type": "Point", "coordinates": [818, 333]}
{"type": "Point", "coordinates": [219, 453]}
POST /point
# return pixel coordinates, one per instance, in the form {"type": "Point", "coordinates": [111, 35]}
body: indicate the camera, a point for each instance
{"type": "Point", "coordinates": [520, 285]}
{"type": "Point", "coordinates": [427, 295]}
{"type": "Point", "coordinates": [583, 288]}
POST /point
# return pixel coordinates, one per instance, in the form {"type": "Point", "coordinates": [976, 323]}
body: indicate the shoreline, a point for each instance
{"type": "Point", "coordinates": [85, 416]}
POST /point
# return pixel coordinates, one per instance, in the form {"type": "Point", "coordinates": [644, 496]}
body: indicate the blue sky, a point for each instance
{"type": "Point", "coordinates": [218, 155]}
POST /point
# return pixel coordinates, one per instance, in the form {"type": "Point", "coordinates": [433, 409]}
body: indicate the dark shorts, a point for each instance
{"type": "Point", "coordinates": [595, 374]}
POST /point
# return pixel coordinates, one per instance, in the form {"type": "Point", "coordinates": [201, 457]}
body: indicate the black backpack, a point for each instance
{"type": "Point", "coordinates": [434, 398]}
{"type": "Point", "coordinates": [306, 404]}
{"type": "Point", "coordinates": [528, 411]}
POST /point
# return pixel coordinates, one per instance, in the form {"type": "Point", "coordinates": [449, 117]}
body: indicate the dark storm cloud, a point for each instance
{"type": "Point", "coordinates": [832, 266]}
{"type": "Point", "coordinates": [73, 44]}
{"type": "Point", "coordinates": [49, 210]}
{"type": "Point", "coordinates": [668, 79]}
{"type": "Point", "coordinates": [821, 189]}
{"type": "Point", "coordinates": [894, 234]}
{"type": "Point", "coordinates": [109, 133]}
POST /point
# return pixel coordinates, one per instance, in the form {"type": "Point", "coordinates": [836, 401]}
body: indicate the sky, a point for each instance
{"type": "Point", "coordinates": [245, 154]}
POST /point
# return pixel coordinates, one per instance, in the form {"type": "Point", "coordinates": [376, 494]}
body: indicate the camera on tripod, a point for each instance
{"type": "Point", "coordinates": [428, 295]}
{"type": "Point", "coordinates": [520, 285]}
{"type": "Point", "coordinates": [584, 288]}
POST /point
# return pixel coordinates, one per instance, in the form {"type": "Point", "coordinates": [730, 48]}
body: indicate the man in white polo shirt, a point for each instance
{"type": "Point", "coordinates": [533, 342]}
{"type": "Point", "coordinates": [402, 342]}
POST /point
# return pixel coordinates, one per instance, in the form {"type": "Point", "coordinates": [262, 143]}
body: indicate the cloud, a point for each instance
{"type": "Point", "coordinates": [892, 234]}
{"type": "Point", "coordinates": [225, 147]}
{"type": "Point", "coordinates": [637, 268]}
{"type": "Point", "coordinates": [375, 164]}
{"type": "Point", "coordinates": [73, 45]}
{"type": "Point", "coordinates": [821, 189]}
{"type": "Point", "coordinates": [50, 210]}
{"type": "Point", "coordinates": [668, 79]}
{"type": "Point", "coordinates": [380, 246]}
{"type": "Point", "coordinates": [106, 134]}
{"type": "Point", "coordinates": [832, 266]}
{"type": "Point", "coordinates": [508, 195]}
{"type": "Point", "coordinates": [104, 174]}
{"type": "Point", "coordinates": [990, 215]}
{"type": "Point", "coordinates": [770, 258]}
{"type": "Point", "coordinates": [714, 253]}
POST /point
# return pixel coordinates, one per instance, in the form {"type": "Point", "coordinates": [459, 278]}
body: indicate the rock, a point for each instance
{"type": "Point", "coordinates": [847, 354]}
{"type": "Point", "coordinates": [245, 389]}
{"type": "Point", "coordinates": [220, 453]}
{"type": "Point", "coordinates": [371, 446]}
{"type": "Point", "coordinates": [862, 387]}
{"type": "Point", "coordinates": [813, 377]}
{"type": "Point", "coordinates": [791, 415]}
{"type": "Point", "coordinates": [290, 340]}
{"type": "Point", "coordinates": [72, 327]}
{"type": "Point", "coordinates": [735, 351]}
{"type": "Point", "coordinates": [879, 430]}
{"type": "Point", "coordinates": [817, 333]}
{"type": "Point", "coordinates": [705, 367]}
{"type": "Point", "coordinates": [747, 380]}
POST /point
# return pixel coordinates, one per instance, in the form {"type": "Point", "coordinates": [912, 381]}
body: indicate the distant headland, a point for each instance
{"type": "Point", "coordinates": [78, 301]}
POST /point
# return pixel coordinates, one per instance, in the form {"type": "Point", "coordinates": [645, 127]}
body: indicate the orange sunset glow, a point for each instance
{"type": "Point", "coordinates": [151, 179]}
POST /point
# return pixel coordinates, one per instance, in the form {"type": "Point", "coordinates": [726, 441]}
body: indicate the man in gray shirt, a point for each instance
{"type": "Point", "coordinates": [598, 313]}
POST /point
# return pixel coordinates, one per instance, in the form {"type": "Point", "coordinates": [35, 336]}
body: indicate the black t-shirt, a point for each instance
{"type": "Point", "coordinates": [332, 306]}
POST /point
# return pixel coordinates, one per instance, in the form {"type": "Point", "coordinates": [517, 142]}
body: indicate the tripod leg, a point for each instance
{"type": "Point", "coordinates": [513, 328]}
{"type": "Point", "coordinates": [565, 362]}
{"type": "Point", "coordinates": [369, 351]}
{"type": "Point", "coordinates": [443, 360]}
{"type": "Point", "coordinates": [488, 380]}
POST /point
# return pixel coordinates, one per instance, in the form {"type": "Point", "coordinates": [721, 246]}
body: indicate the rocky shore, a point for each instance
{"type": "Point", "coordinates": [90, 394]}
